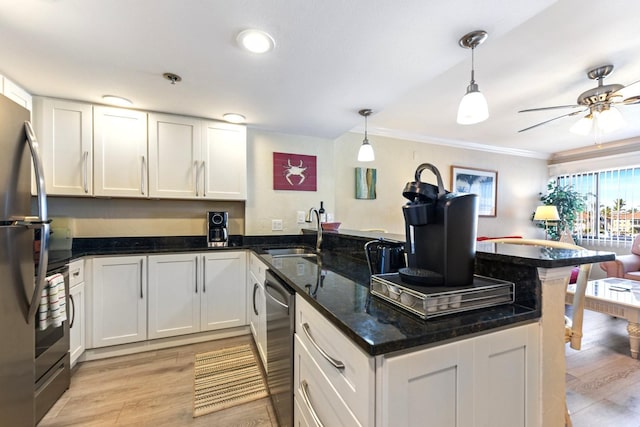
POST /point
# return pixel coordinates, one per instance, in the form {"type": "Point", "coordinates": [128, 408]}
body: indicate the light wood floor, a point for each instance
{"type": "Point", "coordinates": [603, 381]}
{"type": "Point", "coordinates": [148, 389]}
{"type": "Point", "coordinates": [155, 388]}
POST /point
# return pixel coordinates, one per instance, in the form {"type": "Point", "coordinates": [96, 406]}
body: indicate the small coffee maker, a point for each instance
{"type": "Point", "coordinates": [217, 229]}
{"type": "Point", "coordinates": [441, 233]}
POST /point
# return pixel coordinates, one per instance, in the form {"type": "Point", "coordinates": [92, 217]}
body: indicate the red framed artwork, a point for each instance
{"type": "Point", "coordinates": [295, 172]}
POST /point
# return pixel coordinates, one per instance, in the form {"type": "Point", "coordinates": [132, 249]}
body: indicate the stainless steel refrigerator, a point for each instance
{"type": "Point", "coordinates": [20, 286]}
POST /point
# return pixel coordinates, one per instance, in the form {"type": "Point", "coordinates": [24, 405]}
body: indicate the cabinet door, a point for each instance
{"type": "Point", "coordinates": [174, 156]}
{"type": "Point", "coordinates": [224, 161]}
{"type": "Point", "coordinates": [432, 387]}
{"type": "Point", "coordinates": [64, 130]}
{"type": "Point", "coordinates": [76, 323]}
{"type": "Point", "coordinates": [119, 300]}
{"type": "Point", "coordinates": [120, 152]}
{"type": "Point", "coordinates": [506, 378]}
{"type": "Point", "coordinates": [257, 314]}
{"type": "Point", "coordinates": [223, 297]}
{"type": "Point", "coordinates": [174, 298]}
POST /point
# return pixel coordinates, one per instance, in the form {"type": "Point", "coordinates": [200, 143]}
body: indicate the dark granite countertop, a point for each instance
{"type": "Point", "coordinates": [336, 284]}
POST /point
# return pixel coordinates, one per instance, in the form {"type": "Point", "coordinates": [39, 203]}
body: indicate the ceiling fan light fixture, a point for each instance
{"type": "Point", "coordinates": [582, 126]}
{"type": "Point", "coordinates": [610, 120]}
{"type": "Point", "coordinates": [473, 107]}
{"type": "Point", "coordinates": [365, 153]}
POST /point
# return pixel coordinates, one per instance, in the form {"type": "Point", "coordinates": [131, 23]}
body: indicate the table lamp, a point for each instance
{"type": "Point", "coordinates": [546, 213]}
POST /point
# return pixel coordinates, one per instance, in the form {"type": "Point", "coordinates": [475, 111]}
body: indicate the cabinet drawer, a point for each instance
{"type": "Point", "coordinates": [257, 267]}
{"type": "Point", "coordinates": [76, 272]}
{"type": "Point", "coordinates": [314, 393]}
{"type": "Point", "coordinates": [355, 382]}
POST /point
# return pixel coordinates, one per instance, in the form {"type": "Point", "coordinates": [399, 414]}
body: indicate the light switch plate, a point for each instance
{"type": "Point", "coordinates": [300, 217]}
{"type": "Point", "coordinates": [276, 225]}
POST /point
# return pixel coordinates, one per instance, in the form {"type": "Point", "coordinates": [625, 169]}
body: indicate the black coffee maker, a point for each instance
{"type": "Point", "coordinates": [441, 232]}
{"type": "Point", "coordinates": [384, 256]}
{"type": "Point", "coordinates": [217, 233]}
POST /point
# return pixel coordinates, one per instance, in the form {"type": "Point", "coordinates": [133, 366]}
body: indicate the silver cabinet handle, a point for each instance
{"type": "Point", "coordinates": [143, 171]}
{"type": "Point", "coordinates": [204, 275]}
{"type": "Point", "coordinates": [255, 289]}
{"type": "Point", "coordinates": [204, 177]}
{"type": "Point", "coordinates": [304, 389]}
{"type": "Point", "coordinates": [73, 311]}
{"type": "Point", "coordinates": [336, 363]}
{"type": "Point", "coordinates": [196, 274]}
{"type": "Point", "coordinates": [76, 273]}
{"type": "Point", "coordinates": [197, 178]}
{"type": "Point", "coordinates": [141, 278]}
{"type": "Point", "coordinates": [85, 172]}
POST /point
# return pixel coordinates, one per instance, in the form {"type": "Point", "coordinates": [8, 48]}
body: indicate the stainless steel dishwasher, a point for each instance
{"type": "Point", "coordinates": [280, 328]}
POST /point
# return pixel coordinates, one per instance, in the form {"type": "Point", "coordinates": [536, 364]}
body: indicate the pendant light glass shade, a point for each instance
{"type": "Point", "coordinates": [473, 107]}
{"type": "Point", "coordinates": [365, 154]}
{"type": "Point", "coordinates": [582, 126]}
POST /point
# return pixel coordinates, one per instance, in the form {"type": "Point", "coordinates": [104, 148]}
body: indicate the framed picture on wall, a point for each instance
{"type": "Point", "coordinates": [295, 172]}
{"type": "Point", "coordinates": [482, 182]}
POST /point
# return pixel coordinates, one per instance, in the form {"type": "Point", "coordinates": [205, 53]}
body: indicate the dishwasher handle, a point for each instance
{"type": "Point", "coordinates": [268, 286]}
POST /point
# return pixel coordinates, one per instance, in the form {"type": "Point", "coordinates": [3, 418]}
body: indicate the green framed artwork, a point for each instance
{"type": "Point", "coordinates": [365, 183]}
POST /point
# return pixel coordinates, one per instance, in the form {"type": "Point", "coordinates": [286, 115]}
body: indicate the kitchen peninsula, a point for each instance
{"type": "Point", "coordinates": [333, 290]}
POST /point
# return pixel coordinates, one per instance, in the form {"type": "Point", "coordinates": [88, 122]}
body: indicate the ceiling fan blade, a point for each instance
{"type": "Point", "coordinates": [550, 108]}
{"type": "Point", "coordinates": [632, 100]}
{"type": "Point", "coordinates": [573, 113]}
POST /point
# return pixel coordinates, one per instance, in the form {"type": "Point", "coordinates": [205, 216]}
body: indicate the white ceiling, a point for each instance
{"type": "Point", "coordinates": [332, 58]}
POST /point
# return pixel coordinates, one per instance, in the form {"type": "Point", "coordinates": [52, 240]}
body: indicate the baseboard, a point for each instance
{"type": "Point", "coordinates": [158, 344]}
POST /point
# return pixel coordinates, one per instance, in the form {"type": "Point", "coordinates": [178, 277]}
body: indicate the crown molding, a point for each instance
{"type": "Point", "coordinates": [610, 149]}
{"type": "Point", "coordinates": [409, 136]}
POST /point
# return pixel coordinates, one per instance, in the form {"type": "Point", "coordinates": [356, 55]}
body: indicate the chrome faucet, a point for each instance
{"type": "Point", "coordinates": [319, 235]}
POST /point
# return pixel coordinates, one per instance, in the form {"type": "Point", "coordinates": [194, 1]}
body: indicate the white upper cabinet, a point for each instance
{"type": "Point", "coordinates": [224, 161]}
{"type": "Point", "coordinates": [174, 156]}
{"type": "Point", "coordinates": [120, 152]}
{"type": "Point", "coordinates": [64, 130]}
{"type": "Point", "coordinates": [16, 93]}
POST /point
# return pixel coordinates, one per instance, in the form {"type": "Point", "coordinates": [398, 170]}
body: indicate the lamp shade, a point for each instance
{"type": "Point", "coordinates": [473, 108]}
{"type": "Point", "coordinates": [610, 120]}
{"type": "Point", "coordinates": [365, 154]}
{"type": "Point", "coordinates": [546, 213]}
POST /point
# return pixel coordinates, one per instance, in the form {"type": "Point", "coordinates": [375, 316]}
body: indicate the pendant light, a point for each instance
{"type": "Point", "coordinates": [365, 154]}
{"type": "Point", "coordinates": [473, 106]}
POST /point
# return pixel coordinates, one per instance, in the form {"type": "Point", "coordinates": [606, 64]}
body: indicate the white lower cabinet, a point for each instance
{"type": "Point", "coordinates": [487, 380]}
{"type": "Point", "coordinates": [183, 294]}
{"type": "Point", "coordinates": [76, 311]}
{"type": "Point", "coordinates": [257, 305]}
{"type": "Point", "coordinates": [119, 300]}
{"type": "Point", "coordinates": [223, 296]}
{"type": "Point", "coordinates": [174, 298]}
{"type": "Point", "coordinates": [339, 376]}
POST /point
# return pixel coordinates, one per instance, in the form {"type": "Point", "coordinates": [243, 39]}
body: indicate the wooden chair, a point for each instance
{"type": "Point", "coordinates": [573, 325]}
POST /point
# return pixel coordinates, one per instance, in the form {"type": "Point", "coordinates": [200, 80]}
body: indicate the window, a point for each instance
{"type": "Point", "coordinates": [612, 214]}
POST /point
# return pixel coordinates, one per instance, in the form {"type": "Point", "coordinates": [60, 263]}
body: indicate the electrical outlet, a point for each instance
{"type": "Point", "coordinates": [276, 225]}
{"type": "Point", "coordinates": [301, 217]}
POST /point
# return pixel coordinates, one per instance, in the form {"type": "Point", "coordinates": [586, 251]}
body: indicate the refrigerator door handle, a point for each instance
{"type": "Point", "coordinates": [42, 272]}
{"type": "Point", "coordinates": [39, 172]}
{"type": "Point", "coordinates": [42, 221]}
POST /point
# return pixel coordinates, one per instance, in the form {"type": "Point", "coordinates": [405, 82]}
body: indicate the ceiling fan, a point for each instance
{"type": "Point", "coordinates": [598, 104]}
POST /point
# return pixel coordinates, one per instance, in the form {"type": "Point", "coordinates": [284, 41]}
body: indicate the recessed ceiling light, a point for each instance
{"type": "Point", "coordinates": [234, 118]}
{"type": "Point", "coordinates": [256, 41]}
{"type": "Point", "coordinates": [117, 100]}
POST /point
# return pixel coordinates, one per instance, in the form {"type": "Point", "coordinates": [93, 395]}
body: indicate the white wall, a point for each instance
{"type": "Point", "coordinates": [520, 180]}
{"type": "Point", "coordinates": [263, 202]}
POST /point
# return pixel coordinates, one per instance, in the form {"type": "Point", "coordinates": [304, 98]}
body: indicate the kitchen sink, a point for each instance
{"type": "Point", "coordinates": [290, 252]}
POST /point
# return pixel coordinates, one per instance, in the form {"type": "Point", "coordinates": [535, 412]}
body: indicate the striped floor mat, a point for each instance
{"type": "Point", "coordinates": [225, 378]}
